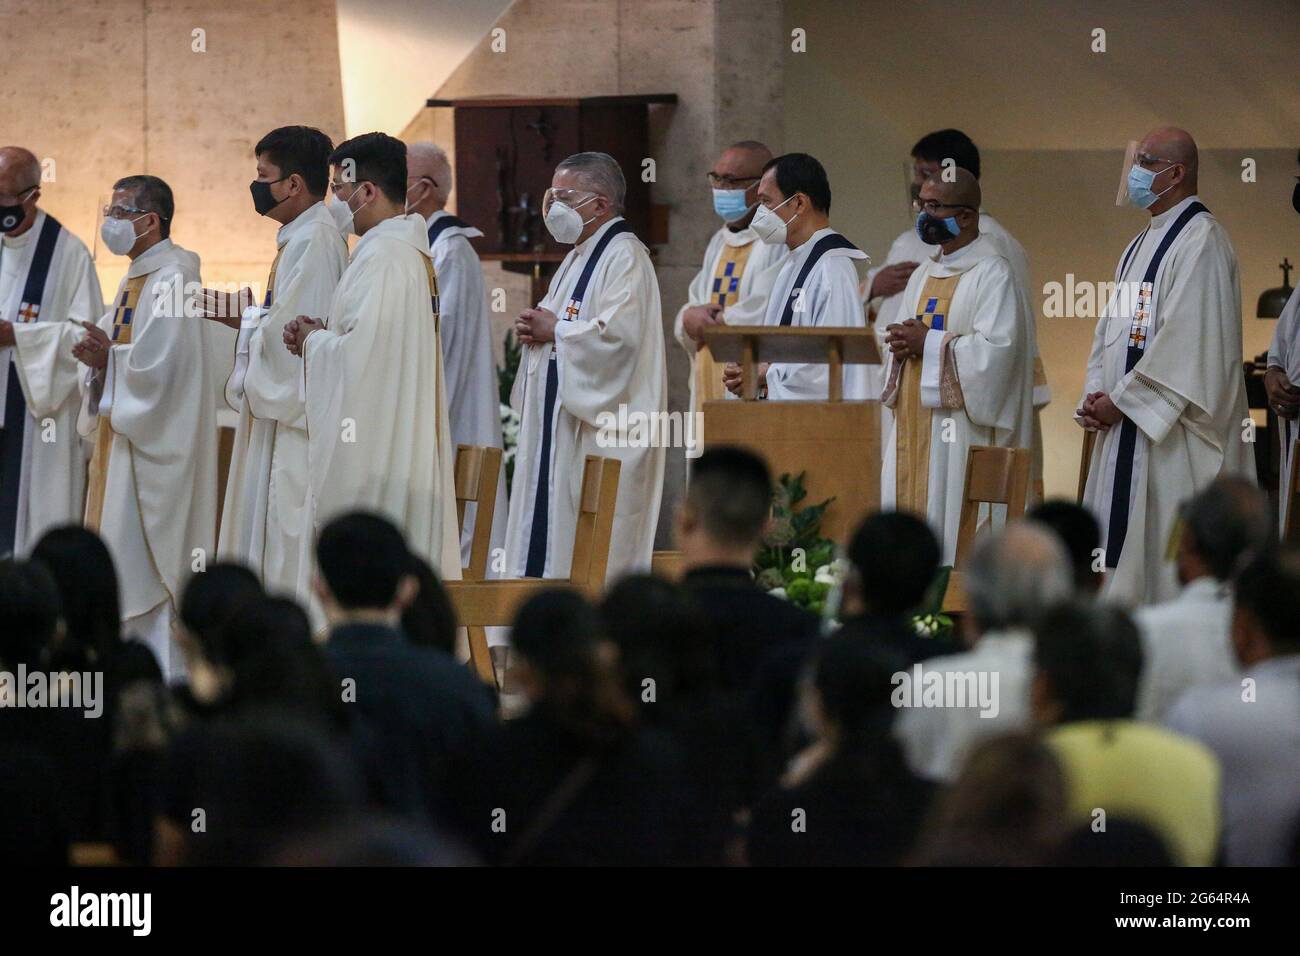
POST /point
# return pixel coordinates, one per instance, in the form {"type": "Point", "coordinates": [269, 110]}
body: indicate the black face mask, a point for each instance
{"type": "Point", "coordinates": [1295, 198]}
{"type": "Point", "coordinates": [933, 230]}
{"type": "Point", "coordinates": [263, 201]}
{"type": "Point", "coordinates": [11, 217]}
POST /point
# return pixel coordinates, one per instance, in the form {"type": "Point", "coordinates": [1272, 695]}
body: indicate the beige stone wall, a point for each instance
{"type": "Point", "coordinates": [107, 88]}
{"type": "Point", "coordinates": [723, 59]}
{"type": "Point", "coordinates": [1052, 119]}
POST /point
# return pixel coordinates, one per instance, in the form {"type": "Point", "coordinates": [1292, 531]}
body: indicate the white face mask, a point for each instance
{"type": "Point", "coordinates": [344, 217]}
{"type": "Point", "coordinates": [565, 223]}
{"type": "Point", "coordinates": [770, 227]}
{"type": "Point", "coordinates": [119, 234]}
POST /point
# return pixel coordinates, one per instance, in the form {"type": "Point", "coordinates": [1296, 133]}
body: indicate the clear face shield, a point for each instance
{"type": "Point", "coordinates": [911, 188]}
{"type": "Point", "coordinates": [1130, 157]}
{"type": "Point", "coordinates": [106, 209]}
{"type": "Point", "coordinates": [570, 197]}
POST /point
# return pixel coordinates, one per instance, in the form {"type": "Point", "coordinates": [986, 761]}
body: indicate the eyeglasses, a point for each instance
{"type": "Point", "coordinates": [731, 182]}
{"type": "Point", "coordinates": [570, 197]}
{"type": "Point", "coordinates": [932, 206]}
{"type": "Point", "coordinates": [121, 212]}
{"type": "Point", "coordinates": [1145, 159]}
{"type": "Point", "coordinates": [335, 187]}
{"type": "Point", "coordinates": [20, 197]}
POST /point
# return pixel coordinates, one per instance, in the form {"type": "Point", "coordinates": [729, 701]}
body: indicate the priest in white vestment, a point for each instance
{"type": "Point", "coordinates": [736, 278]}
{"type": "Point", "coordinates": [152, 487]}
{"type": "Point", "coordinates": [265, 523]}
{"type": "Point", "coordinates": [48, 287]}
{"type": "Point", "coordinates": [473, 395]}
{"type": "Point", "coordinates": [1164, 382]}
{"type": "Point", "coordinates": [882, 289]}
{"type": "Point", "coordinates": [377, 428]}
{"type": "Point", "coordinates": [1282, 382]}
{"type": "Point", "coordinates": [961, 371]}
{"type": "Point", "coordinates": [817, 285]}
{"type": "Point", "coordinates": [592, 380]}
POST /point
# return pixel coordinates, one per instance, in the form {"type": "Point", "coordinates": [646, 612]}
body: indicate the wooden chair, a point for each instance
{"type": "Point", "coordinates": [994, 476]}
{"type": "Point", "coordinates": [1085, 461]}
{"type": "Point", "coordinates": [478, 470]}
{"type": "Point", "coordinates": [481, 603]}
{"type": "Point", "coordinates": [93, 854]}
{"type": "Point", "coordinates": [667, 565]}
{"type": "Point", "coordinates": [1291, 493]}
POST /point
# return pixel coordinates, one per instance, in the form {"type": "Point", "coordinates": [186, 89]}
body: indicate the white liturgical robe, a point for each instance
{"type": "Point", "coordinates": [612, 392]}
{"type": "Point", "coordinates": [378, 434]}
{"type": "Point", "coordinates": [973, 386]}
{"type": "Point", "coordinates": [1185, 397]}
{"type": "Point", "coordinates": [738, 273]}
{"type": "Point", "coordinates": [473, 396]}
{"type": "Point", "coordinates": [265, 523]}
{"type": "Point", "coordinates": [154, 501]}
{"type": "Point", "coordinates": [51, 472]}
{"type": "Point", "coordinates": [1285, 354]}
{"type": "Point", "coordinates": [829, 299]}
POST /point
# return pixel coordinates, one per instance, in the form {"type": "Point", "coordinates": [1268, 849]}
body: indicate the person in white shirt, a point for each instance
{"type": "Point", "coordinates": [1014, 575]}
{"type": "Point", "coordinates": [1186, 641]}
{"type": "Point", "coordinates": [1282, 382]}
{"type": "Point", "coordinates": [817, 285]}
{"type": "Point", "coordinates": [736, 278]}
{"type": "Point", "coordinates": [1250, 721]}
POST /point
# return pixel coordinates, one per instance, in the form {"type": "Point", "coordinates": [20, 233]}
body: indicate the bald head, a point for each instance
{"type": "Point", "coordinates": [20, 179]}
{"type": "Point", "coordinates": [1169, 153]}
{"type": "Point", "coordinates": [1173, 144]}
{"type": "Point", "coordinates": [964, 190]}
{"type": "Point", "coordinates": [428, 163]}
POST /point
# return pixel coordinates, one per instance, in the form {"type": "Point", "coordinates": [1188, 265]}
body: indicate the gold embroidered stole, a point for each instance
{"type": "Point", "coordinates": [123, 322]}
{"type": "Point", "coordinates": [725, 289]}
{"type": "Point", "coordinates": [912, 434]}
{"type": "Point", "coordinates": [270, 279]}
{"type": "Point", "coordinates": [437, 328]}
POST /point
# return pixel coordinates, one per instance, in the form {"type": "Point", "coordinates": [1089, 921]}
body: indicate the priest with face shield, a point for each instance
{"type": "Point", "coordinates": [591, 380]}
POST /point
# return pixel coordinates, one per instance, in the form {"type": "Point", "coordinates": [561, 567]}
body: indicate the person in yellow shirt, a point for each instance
{"type": "Point", "coordinates": [1088, 661]}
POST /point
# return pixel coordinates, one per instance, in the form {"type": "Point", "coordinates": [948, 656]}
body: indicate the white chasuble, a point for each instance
{"type": "Point", "coordinates": [43, 481]}
{"type": "Point", "coordinates": [973, 385]}
{"type": "Point", "coordinates": [608, 398]}
{"type": "Point", "coordinates": [1285, 354]}
{"type": "Point", "coordinates": [153, 478]}
{"type": "Point", "coordinates": [377, 429]}
{"type": "Point", "coordinates": [738, 273]}
{"type": "Point", "coordinates": [473, 395]}
{"type": "Point", "coordinates": [1167, 351]}
{"type": "Point", "coordinates": [817, 287]}
{"type": "Point", "coordinates": [265, 523]}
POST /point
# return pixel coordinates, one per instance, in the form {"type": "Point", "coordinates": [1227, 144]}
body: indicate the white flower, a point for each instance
{"type": "Point", "coordinates": [778, 592]}
{"type": "Point", "coordinates": [824, 575]}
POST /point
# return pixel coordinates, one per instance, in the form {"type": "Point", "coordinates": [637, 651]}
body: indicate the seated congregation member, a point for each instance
{"type": "Point", "coordinates": [817, 285]}
{"type": "Point", "coordinates": [418, 708]}
{"type": "Point", "coordinates": [429, 620]}
{"type": "Point", "coordinates": [669, 666]}
{"type": "Point", "coordinates": [35, 829]}
{"type": "Point", "coordinates": [1007, 807]}
{"type": "Point", "coordinates": [850, 788]}
{"type": "Point", "coordinates": [574, 781]}
{"type": "Point", "coordinates": [209, 600]}
{"type": "Point", "coordinates": [1187, 640]}
{"type": "Point", "coordinates": [1013, 576]}
{"type": "Point", "coordinates": [893, 559]}
{"type": "Point", "coordinates": [1087, 662]}
{"type": "Point", "coordinates": [1124, 842]}
{"type": "Point", "coordinates": [90, 642]}
{"type": "Point", "coordinates": [1079, 532]}
{"type": "Point", "coordinates": [1249, 720]}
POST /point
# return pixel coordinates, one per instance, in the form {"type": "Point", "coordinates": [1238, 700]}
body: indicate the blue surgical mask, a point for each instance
{"type": "Point", "coordinates": [730, 204]}
{"type": "Point", "coordinates": [1140, 179]}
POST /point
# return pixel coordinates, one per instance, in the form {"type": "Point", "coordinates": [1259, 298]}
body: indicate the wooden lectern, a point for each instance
{"type": "Point", "coordinates": [836, 442]}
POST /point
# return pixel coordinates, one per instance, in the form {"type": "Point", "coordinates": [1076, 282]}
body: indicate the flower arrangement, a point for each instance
{"type": "Point", "coordinates": [796, 562]}
{"type": "Point", "coordinates": [929, 621]}
{"type": "Point", "coordinates": [506, 372]}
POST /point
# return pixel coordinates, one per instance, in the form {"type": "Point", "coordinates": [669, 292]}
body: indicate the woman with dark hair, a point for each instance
{"type": "Point", "coordinates": [574, 780]}
{"type": "Point", "coordinates": [429, 620]}
{"type": "Point", "coordinates": [209, 600]}
{"type": "Point", "coordinates": [847, 799]}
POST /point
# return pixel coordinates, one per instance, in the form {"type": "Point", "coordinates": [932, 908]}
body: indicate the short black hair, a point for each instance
{"type": "Point", "coordinates": [730, 491]}
{"type": "Point", "coordinates": [379, 159]}
{"type": "Point", "coordinates": [152, 195]}
{"type": "Point", "coordinates": [896, 556]}
{"type": "Point", "coordinates": [1091, 655]}
{"type": "Point", "coordinates": [1078, 531]}
{"type": "Point", "coordinates": [363, 558]}
{"type": "Point", "coordinates": [1226, 523]}
{"type": "Point", "coordinates": [211, 597]}
{"type": "Point", "coordinates": [801, 173]}
{"type": "Point", "coordinates": [949, 144]}
{"type": "Point", "coordinates": [29, 611]}
{"type": "Point", "coordinates": [1267, 589]}
{"type": "Point", "coordinates": [304, 150]}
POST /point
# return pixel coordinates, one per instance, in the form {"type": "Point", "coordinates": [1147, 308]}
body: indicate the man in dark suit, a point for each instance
{"type": "Point", "coordinates": [418, 707]}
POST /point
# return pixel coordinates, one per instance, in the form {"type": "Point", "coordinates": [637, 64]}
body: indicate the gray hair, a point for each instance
{"type": "Point", "coordinates": [1014, 575]}
{"type": "Point", "coordinates": [600, 173]}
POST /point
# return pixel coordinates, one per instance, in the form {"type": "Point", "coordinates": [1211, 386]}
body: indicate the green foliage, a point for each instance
{"type": "Point", "coordinates": [794, 548]}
